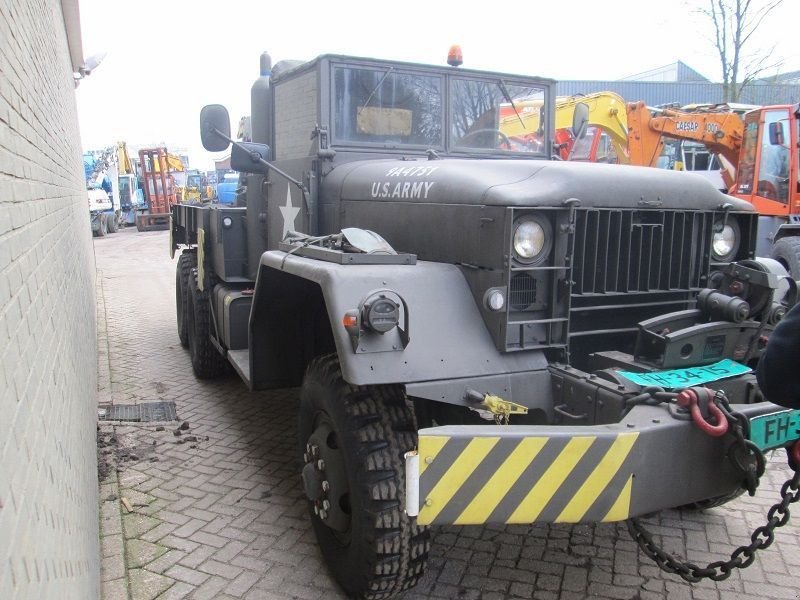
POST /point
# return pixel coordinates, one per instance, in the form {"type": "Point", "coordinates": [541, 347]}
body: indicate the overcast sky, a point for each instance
{"type": "Point", "coordinates": [165, 59]}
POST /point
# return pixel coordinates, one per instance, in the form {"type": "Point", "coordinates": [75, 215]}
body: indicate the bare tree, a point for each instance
{"type": "Point", "coordinates": [734, 22]}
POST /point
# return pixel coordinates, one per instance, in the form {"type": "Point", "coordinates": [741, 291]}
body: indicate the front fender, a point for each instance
{"type": "Point", "coordinates": [447, 336]}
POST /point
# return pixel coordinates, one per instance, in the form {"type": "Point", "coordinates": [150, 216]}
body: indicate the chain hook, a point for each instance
{"type": "Point", "coordinates": [688, 398]}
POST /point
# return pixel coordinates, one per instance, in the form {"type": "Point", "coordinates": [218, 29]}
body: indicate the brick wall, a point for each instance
{"type": "Point", "coordinates": [48, 348]}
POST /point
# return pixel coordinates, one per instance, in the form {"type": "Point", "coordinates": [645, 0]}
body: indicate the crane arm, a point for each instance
{"type": "Point", "coordinates": [123, 159]}
{"type": "Point", "coordinates": [174, 162]}
{"type": "Point", "coordinates": [720, 131]}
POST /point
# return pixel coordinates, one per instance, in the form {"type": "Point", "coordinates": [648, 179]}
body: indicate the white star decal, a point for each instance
{"type": "Point", "coordinates": [289, 213]}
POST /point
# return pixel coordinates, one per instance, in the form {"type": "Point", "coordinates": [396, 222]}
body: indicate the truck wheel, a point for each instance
{"type": "Point", "coordinates": [787, 252]}
{"type": "Point", "coordinates": [352, 440]}
{"type": "Point", "coordinates": [112, 223]}
{"type": "Point", "coordinates": [102, 227]}
{"type": "Point", "coordinates": [183, 271]}
{"type": "Point", "coordinates": [207, 363]}
{"type": "Point", "coordinates": [713, 502]}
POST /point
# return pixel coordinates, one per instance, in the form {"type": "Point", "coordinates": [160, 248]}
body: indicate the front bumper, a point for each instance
{"type": "Point", "coordinates": [651, 460]}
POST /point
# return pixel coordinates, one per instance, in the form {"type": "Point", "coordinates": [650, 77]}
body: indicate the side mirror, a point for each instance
{"type": "Point", "coordinates": [580, 120]}
{"type": "Point", "coordinates": [249, 157]}
{"type": "Point", "coordinates": [214, 120]}
{"type": "Point", "coordinates": [776, 136]}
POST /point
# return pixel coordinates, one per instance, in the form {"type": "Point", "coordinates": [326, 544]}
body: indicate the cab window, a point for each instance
{"type": "Point", "coordinates": [386, 107]}
{"type": "Point", "coordinates": [496, 116]}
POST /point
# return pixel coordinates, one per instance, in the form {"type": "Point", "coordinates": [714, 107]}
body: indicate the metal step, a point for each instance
{"type": "Point", "coordinates": [240, 359]}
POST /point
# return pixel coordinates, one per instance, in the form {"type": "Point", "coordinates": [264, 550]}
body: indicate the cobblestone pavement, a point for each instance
{"type": "Point", "coordinates": [217, 511]}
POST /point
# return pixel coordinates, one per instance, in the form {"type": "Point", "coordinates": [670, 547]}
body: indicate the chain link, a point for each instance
{"type": "Point", "coordinates": [761, 538]}
{"type": "Point", "coordinates": [748, 459]}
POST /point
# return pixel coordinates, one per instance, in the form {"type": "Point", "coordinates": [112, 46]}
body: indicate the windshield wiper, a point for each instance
{"type": "Point", "coordinates": [375, 89]}
{"type": "Point", "coordinates": [507, 97]}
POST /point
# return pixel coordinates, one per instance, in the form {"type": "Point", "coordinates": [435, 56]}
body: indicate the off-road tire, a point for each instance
{"type": "Point", "coordinates": [186, 262]}
{"type": "Point", "coordinates": [112, 223]}
{"type": "Point", "coordinates": [787, 252]}
{"type": "Point", "coordinates": [207, 363]}
{"type": "Point", "coordinates": [713, 502]}
{"type": "Point", "coordinates": [384, 551]}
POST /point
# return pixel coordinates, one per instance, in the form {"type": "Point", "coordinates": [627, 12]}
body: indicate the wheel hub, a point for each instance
{"type": "Point", "coordinates": [325, 479]}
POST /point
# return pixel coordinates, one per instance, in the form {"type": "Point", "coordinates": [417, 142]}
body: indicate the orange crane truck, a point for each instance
{"type": "Point", "coordinates": [768, 177]}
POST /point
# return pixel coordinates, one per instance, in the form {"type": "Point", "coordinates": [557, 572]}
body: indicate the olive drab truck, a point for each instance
{"type": "Point", "coordinates": [480, 333]}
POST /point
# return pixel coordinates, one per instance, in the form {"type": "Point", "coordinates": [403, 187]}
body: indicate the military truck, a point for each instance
{"type": "Point", "coordinates": [481, 333]}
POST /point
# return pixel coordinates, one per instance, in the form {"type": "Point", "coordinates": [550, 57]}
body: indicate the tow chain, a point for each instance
{"type": "Point", "coordinates": [747, 458]}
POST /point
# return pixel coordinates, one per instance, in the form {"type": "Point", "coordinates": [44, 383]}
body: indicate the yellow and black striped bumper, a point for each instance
{"type": "Point", "coordinates": [522, 474]}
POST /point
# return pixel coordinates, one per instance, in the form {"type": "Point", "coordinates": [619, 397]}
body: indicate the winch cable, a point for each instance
{"type": "Point", "coordinates": [746, 458]}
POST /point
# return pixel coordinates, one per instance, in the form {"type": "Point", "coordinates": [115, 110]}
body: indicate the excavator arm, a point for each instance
{"type": "Point", "coordinates": [721, 132]}
{"type": "Point", "coordinates": [606, 111]}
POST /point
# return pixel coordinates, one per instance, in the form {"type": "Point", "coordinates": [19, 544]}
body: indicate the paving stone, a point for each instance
{"type": "Point", "coordinates": [112, 567]}
{"type": "Point", "coordinates": [139, 553]}
{"type": "Point", "coordinates": [214, 567]}
{"type": "Point", "coordinates": [165, 561]}
{"type": "Point", "coordinates": [145, 585]}
{"type": "Point", "coordinates": [178, 591]}
{"type": "Point", "coordinates": [116, 589]}
{"type": "Point", "coordinates": [187, 575]}
{"type": "Point", "coordinates": [135, 524]}
{"type": "Point", "coordinates": [112, 545]}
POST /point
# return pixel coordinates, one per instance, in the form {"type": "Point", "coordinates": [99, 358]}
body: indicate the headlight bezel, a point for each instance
{"type": "Point", "coordinates": [546, 247]}
{"type": "Point", "coordinates": [718, 235]}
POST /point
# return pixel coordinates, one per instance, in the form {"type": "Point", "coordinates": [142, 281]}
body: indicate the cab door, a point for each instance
{"type": "Point", "coordinates": [768, 175]}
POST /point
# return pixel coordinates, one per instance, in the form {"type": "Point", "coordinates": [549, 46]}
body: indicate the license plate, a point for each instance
{"type": "Point", "coordinates": [681, 378]}
{"type": "Point", "coordinates": [776, 429]}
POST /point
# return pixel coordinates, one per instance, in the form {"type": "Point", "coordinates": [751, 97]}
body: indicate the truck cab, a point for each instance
{"type": "Point", "coordinates": [480, 331]}
{"type": "Point", "coordinates": [769, 178]}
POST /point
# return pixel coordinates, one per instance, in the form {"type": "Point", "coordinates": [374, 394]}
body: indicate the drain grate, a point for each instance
{"type": "Point", "coordinates": [140, 413]}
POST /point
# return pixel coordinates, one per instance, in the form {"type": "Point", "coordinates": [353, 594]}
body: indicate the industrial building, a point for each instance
{"type": "Point", "coordinates": [679, 83]}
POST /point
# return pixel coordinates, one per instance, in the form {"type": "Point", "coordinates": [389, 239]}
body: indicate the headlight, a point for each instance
{"type": "Point", "coordinates": [532, 239]}
{"type": "Point", "coordinates": [725, 241]}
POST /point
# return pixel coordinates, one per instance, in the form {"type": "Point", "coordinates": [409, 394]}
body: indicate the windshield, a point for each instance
{"type": "Point", "coordinates": [497, 116]}
{"type": "Point", "coordinates": [401, 107]}
{"type": "Point", "coordinates": [387, 107]}
{"type": "Point", "coordinates": [193, 181]}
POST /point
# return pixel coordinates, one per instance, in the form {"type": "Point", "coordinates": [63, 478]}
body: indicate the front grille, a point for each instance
{"type": "Point", "coordinates": [628, 251]}
{"type": "Point", "coordinates": [523, 291]}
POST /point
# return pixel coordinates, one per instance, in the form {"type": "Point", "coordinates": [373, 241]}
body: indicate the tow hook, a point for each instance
{"type": "Point", "coordinates": [691, 398]}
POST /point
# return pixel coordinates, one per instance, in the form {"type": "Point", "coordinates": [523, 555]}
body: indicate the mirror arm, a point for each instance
{"type": "Point", "coordinates": [257, 159]}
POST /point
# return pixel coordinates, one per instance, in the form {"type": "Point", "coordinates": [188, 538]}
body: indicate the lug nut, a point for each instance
{"type": "Point", "coordinates": [305, 457]}
{"type": "Point", "coordinates": [323, 515]}
{"type": "Point", "coordinates": [314, 451]}
{"type": "Point", "coordinates": [316, 509]}
{"type": "Point", "coordinates": [326, 505]}
{"type": "Point", "coordinates": [308, 448]}
{"type": "Point", "coordinates": [321, 464]}
{"type": "Point", "coordinates": [326, 486]}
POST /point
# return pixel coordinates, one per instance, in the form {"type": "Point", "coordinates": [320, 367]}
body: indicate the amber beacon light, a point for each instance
{"type": "Point", "coordinates": [454, 56]}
